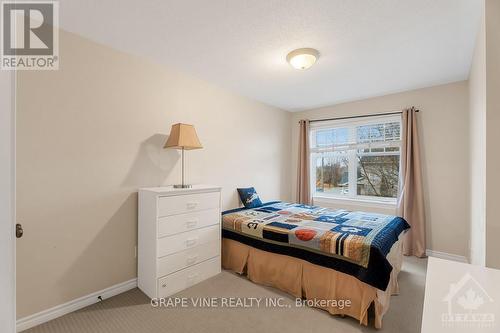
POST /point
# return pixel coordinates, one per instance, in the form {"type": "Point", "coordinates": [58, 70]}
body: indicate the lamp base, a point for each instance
{"type": "Point", "coordinates": [183, 186]}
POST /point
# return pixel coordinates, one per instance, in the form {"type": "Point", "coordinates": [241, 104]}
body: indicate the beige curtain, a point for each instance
{"type": "Point", "coordinates": [411, 198]}
{"type": "Point", "coordinates": [303, 186]}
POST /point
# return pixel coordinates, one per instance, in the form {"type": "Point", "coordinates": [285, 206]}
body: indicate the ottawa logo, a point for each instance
{"type": "Point", "coordinates": [469, 305]}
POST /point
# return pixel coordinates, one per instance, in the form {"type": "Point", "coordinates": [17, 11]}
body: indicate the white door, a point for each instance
{"type": "Point", "coordinates": [7, 204]}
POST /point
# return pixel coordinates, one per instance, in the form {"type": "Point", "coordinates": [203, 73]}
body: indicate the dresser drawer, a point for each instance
{"type": "Point", "coordinates": [187, 203]}
{"type": "Point", "coordinates": [180, 242]}
{"type": "Point", "coordinates": [185, 278]}
{"type": "Point", "coordinates": [177, 261]}
{"type": "Point", "coordinates": [171, 225]}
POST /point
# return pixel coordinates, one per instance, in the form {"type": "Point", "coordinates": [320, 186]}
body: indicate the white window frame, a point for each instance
{"type": "Point", "coordinates": [352, 171]}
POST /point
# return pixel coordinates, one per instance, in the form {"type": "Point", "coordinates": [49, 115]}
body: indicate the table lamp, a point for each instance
{"type": "Point", "coordinates": [183, 136]}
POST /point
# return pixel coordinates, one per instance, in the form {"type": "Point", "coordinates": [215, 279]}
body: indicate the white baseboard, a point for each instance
{"type": "Point", "coordinates": [76, 304]}
{"type": "Point", "coordinates": [447, 256]}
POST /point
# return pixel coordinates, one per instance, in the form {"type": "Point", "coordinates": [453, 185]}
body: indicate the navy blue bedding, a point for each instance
{"type": "Point", "coordinates": [355, 243]}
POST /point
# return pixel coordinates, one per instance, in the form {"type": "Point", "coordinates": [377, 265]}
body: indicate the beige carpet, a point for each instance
{"type": "Point", "coordinates": [131, 312]}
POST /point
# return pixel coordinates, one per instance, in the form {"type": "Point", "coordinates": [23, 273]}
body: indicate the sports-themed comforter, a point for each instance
{"type": "Point", "coordinates": [355, 243]}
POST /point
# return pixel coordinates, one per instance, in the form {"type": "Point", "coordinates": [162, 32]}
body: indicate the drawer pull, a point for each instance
{"type": "Point", "coordinates": [192, 259]}
{"type": "Point", "coordinates": [192, 223]}
{"type": "Point", "coordinates": [192, 277]}
{"type": "Point", "coordinates": [191, 241]}
{"type": "Point", "coordinates": [191, 205]}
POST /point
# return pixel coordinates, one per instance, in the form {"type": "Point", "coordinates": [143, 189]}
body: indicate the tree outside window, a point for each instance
{"type": "Point", "coordinates": [358, 159]}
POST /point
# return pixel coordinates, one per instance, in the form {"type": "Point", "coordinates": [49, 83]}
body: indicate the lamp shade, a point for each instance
{"type": "Point", "coordinates": [183, 136]}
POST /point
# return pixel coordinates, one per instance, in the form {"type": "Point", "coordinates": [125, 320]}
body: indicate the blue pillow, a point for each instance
{"type": "Point", "coordinates": [249, 197]}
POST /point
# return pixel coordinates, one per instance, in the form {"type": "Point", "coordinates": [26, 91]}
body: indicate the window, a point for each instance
{"type": "Point", "coordinates": [356, 159]}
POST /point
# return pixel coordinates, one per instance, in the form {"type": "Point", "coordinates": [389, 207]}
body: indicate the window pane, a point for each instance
{"type": "Point", "coordinates": [363, 134]}
{"type": "Point", "coordinates": [324, 138]}
{"type": "Point", "coordinates": [332, 175]}
{"type": "Point", "coordinates": [392, 131]}
{"type": "Point", "coordinates": [391, 149]}
{"type": "Point", "coordinates": [378, 175]}
{"type": "Point", "coordinates": [331, 137]}
{"type": "Point", "coordinates": [379, 132]}
{"type": "Point", "coordinates": [340, 136]}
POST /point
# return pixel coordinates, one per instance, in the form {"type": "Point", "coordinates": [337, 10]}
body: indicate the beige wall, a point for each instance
{"type": "Point", "coordinates": [477, 106]}
{"type": "Point", "coordinates": [492, 133]}
{"type": "Point", "coordinates": [90, 134]}
{"type": "Point", "coordinates": [444, 130]}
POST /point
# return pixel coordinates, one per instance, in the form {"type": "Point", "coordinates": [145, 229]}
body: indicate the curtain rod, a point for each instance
{"type": "Point", "coordinates": [360, 116]}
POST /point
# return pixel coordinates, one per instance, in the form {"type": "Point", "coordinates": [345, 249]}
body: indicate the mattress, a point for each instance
{"type": "Point", "coordinates": [355, 243]}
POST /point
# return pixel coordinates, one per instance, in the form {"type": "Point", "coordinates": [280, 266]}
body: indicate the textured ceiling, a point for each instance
{"type": "Point", "coordinates": [368, 47]}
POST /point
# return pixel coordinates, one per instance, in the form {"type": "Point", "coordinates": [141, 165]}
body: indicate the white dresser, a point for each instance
{"type": "Point", "coordinates": [179, 238]}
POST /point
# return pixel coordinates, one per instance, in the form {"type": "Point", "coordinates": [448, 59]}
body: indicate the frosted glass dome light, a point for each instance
{"type": "Point", "coordinates": [302, 58]}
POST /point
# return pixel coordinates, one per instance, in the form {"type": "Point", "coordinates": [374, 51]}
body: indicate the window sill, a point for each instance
{"type": "Point", "coordinates": [387, 204]}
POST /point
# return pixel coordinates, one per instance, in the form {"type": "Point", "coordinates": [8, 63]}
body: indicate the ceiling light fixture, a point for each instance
{"type": "Point", "coordinates": [302, 58]}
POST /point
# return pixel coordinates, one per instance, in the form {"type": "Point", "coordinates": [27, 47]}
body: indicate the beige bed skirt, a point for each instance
{"type": "Point", "coordinates": [300, 278]}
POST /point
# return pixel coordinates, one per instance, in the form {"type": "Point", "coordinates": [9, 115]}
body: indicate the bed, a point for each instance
{"type": "Point", "coordinates": [317, 253]}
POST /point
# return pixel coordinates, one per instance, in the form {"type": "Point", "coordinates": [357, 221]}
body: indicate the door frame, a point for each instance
{"type": "Point", "coordinates": [7, 201]}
